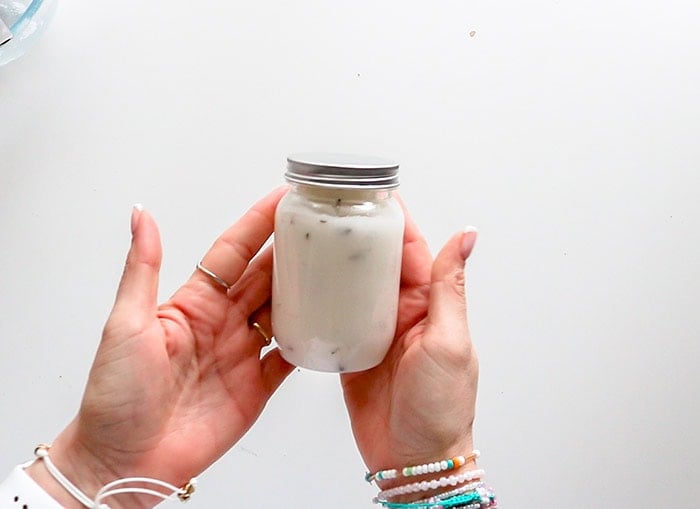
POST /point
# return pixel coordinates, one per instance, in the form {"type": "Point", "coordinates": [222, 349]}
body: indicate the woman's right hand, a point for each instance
{"type": "Point", "coordinates": [418, 405]}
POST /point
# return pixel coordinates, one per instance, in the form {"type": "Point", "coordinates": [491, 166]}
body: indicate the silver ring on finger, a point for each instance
{"type": "Point", "coordinates": [213, 276]}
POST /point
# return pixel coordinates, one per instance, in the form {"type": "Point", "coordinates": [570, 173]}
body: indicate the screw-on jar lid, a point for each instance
{"type": "Point", "coordinates": [342, 170]}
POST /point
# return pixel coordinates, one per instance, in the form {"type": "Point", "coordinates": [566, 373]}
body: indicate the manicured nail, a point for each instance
{"type": "Point", "coordinates": [135, 216]}
{"type": "Point", "coordinates": [468, 240]}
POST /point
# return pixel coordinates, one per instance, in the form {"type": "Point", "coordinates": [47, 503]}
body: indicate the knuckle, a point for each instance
{"type": "Point", "coordinates": [236, 248]}
{"type": "Point", "coordinates": [454, 280]}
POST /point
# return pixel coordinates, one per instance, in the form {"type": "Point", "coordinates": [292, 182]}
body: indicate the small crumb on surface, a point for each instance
{"type": "Point", "coordinates": [472, 33]}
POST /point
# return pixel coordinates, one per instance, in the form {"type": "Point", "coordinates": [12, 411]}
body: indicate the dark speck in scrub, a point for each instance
{"type": "Point", "coordinates": [341, 368]}
{"type": "Point", "coordinates": [291, 220]}
{"type": "Point", "coordinates": [359, 255]}
{"type": "Point", "coordinates": [324, 221]}
{"type": "Point", "coordinates": [335, 351]}
{"type": "Point", "coordinates": [307, 235]}
{"type": "Point", "coordinates": [338, 202]}
{"type": "Point", "coordinates": [346, 231]}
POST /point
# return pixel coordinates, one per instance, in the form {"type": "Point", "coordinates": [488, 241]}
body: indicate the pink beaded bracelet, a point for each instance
{"type": "Point", "coordinates": [452, 493]}
{"type": "Point", "coordinates": [426, 468]}
{"type": "Point", "coordinates": [417, 487]}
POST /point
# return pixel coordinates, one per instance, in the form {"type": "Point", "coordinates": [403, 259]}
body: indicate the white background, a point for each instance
{"type": "Point", "coordinates": [568, 132]}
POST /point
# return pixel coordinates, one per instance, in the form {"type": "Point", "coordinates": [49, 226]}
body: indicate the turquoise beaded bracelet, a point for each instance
{"type": "Point", "coordinates": [481, 498]}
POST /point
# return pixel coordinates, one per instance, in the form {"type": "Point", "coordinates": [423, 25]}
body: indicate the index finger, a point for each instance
{"type": "Point", "coordinates": [416, 260]}
{"type": "Point", "coordinates": [231, 253]}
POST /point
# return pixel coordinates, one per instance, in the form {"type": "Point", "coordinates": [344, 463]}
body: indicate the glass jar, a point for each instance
{"type": "Point", "coordinates": [337, 262]}
{"type": "Point", "coordinates": [21, 24]}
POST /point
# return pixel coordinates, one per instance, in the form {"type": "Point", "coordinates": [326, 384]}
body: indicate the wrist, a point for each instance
{"type": "Point", "coordinates": [453, 464]}
{"type": "Point", "coordinates": [38, 472]}
{"type": "Point", "coordinates": [84, 470]}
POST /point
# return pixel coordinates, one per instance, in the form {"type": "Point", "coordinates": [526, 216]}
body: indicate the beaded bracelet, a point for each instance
{"type": "Point", "coordinates": [426, 468]}
{"type": "Point", "coordinates": [487, 500]}
{"type": "Point", "coordinates": [416, 487]}
{"type": "Point", "coordinates": [458, 491]}
{"type": "Point", "coordinates": [480, 498]}
{"type": "Point", "coordinates": [457, 501]}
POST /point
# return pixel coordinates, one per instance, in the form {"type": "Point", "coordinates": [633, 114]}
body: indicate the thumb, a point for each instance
{"type": "Point", "coordinates": [448, 303]}
{"type": "Point", "coordinates": [137, 295]}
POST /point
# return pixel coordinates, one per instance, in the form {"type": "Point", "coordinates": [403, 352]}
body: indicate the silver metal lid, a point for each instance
{"type": "Point", "coordinates": [342, 170]}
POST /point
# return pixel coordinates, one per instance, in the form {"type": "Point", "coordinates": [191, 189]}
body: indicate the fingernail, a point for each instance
{"type": "Point", "coordinates": [468, 240]}
{"type": "Point", "coordinates": [135, 216]}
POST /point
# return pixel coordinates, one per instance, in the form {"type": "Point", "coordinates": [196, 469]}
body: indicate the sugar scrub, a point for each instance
{"type": "Point", "coordinates": [337, 262]}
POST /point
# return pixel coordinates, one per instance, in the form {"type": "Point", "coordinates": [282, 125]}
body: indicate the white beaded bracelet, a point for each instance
{"type": "Point", "coordinates": [417, 487]}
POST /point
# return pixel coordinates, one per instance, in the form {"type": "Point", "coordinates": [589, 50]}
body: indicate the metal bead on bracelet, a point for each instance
{"type": "Point", "coordinates": [426, 468]}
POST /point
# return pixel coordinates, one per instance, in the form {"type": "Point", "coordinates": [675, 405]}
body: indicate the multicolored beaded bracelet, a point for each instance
{"type": "Point", "coordinates": [426, 468]}
{"type": "Point", "coordinates": [417, 487]}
